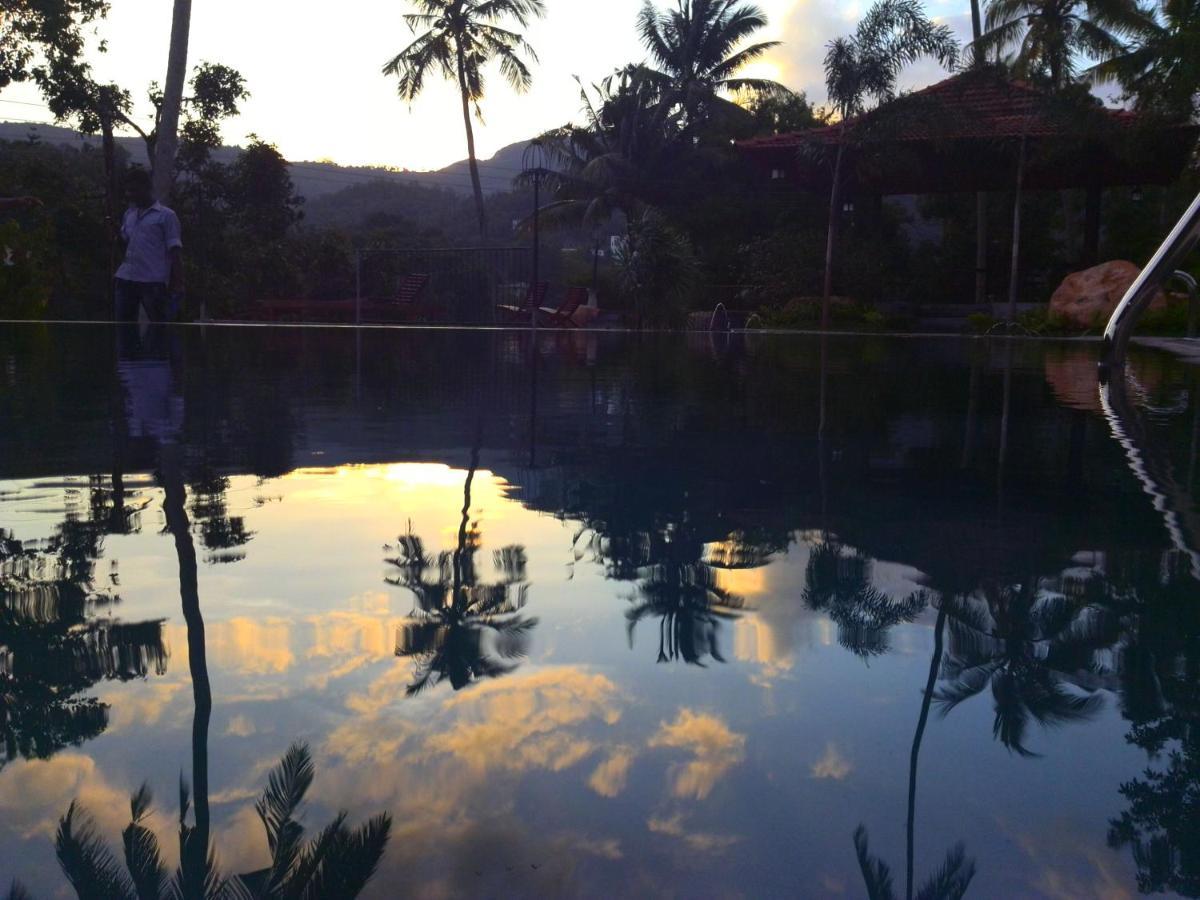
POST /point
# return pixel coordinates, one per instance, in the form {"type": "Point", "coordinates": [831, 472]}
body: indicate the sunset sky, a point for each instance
{"type": "Point", "coordinates": [314, 69]}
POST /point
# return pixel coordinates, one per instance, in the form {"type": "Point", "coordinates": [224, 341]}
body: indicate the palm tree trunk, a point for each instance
{"type": "Point", "coordinates": [934, 665]}
{"type": "Point", "coordinates": [835, 203]}
{"type": "Point", "coordinates": [196, 849]}
{"type": "Point", "coordinates": [981, 224]}
{"type": "Point", "coordinates": [167, 142]}
{"type": "Point", "coordinates": [472, 163]}
{"type": "Point", "coordinates": [111, 192]}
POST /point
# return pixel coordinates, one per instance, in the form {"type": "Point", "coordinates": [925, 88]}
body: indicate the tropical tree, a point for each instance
{"type": "Point", "coordinates": [461, 630]}
{"type": "Point", "coordinates": [1161, 68]}
{"type": "Point", "coordinates": [865, 68]}
{"type": "Point", "coordinates": [950, 882]}
{"type": "Point", "coordinates": [1025, 642]}
{"type": "Point", "coordinates": [457, 39]}
{"type": "Point", "coordinates": [338, 862]}
{"type": "Point", "coordinates": [698, 47]}
{"type": "Point", "coordinates": [838, 583]}
{"type": "Point", "coordinates": [172, 100]}
{"type": "Point", "coordinates": [1049, 37]}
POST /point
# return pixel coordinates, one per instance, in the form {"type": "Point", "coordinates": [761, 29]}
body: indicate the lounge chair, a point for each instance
{"type": "Point", "coordinates": [518, 315]}
{"type": "Point", "coordinates": [408, 294]}
{"type": "Point", "coordinates": [563, 317]}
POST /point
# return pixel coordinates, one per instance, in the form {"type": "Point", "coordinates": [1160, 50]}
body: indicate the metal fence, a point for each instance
{"type": "Point", "coordinates": [465, 283]}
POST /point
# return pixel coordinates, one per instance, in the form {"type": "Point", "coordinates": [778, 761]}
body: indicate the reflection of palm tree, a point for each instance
{"type": "Point", "coordinates": [460, 630]}
{"type": "Point", "coordinates": [950, 882]}
{"type": "Point", "coordinates": [838, 583]}
{"type": "Point", "coordinates": [338, 862]}
{"type": "Point", "coordinates": [683, 594]}
{"type": "Point", "coordinates": [1026, 644]}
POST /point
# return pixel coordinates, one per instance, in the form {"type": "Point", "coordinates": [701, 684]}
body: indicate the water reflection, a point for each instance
{"type": "Point", "coordinates": [784, 511]}
{"type": "Point", "coordinates": [461, 630]}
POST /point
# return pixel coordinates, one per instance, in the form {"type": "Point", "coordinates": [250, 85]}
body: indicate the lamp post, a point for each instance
{"type": "Point", "coordinates": [533, 162]}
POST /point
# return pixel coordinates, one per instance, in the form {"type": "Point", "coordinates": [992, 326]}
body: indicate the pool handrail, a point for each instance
{"type": "Point", "coordinates": [1162, 267]}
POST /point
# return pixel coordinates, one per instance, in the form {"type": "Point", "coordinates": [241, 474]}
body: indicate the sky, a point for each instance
{"type": "Point", "coordinates": [318, 93]}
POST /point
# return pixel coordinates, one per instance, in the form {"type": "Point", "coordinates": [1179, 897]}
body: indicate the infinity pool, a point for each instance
{"type": "Point", "coordinates": [612, 615]}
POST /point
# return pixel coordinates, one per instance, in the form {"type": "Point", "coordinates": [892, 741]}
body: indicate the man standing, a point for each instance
{"type": "Point", "coordinates": [151, 277]}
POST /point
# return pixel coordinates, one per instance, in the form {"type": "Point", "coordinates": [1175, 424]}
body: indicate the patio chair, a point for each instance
{"type": "Point", "coordinates": [563, 317]}
{"type": "Point", "coordinates": [518, 315]}
{"type": "Point", "coordinates": [408, 294]}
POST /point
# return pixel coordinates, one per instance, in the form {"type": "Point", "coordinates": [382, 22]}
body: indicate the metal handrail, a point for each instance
{"type": "Point", "coordinates": [1193, 292]}
{"type": "Point", "coordinates": [1161, 268]}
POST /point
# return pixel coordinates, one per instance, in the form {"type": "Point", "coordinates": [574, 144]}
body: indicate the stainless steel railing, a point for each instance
{"type": "Point", "coordinates": [1154, 277]}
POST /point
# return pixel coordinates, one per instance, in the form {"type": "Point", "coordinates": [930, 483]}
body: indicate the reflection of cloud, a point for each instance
{"type": "Point", "coordinates": [523, 723]}
{"type": "Point", "coordinates": [1067, 866]}
{"type": "Point", "coordinates": [242, 645]}
{"type": "Point", "coordinates": [240, 726]}
{"type": "Point", "coordinates": [609, 778]}
{"type": "Point", "coordinates": [832, 764]}
{"type": "Point", "coordinates": [715, 747]}
{"type": "Point", "coordinates": [706, 843]}
{"type": "Point", "coordinates": [34, 793]}
{"type": "Point", "coordinates": [144, 704]}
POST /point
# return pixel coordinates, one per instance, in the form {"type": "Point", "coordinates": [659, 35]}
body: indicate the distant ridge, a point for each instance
{"type": "Point", "coordinates": [312, 179]}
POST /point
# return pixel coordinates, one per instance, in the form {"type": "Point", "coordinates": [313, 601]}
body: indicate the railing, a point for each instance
{"type": "Point", "coordinates": [1162, 268]}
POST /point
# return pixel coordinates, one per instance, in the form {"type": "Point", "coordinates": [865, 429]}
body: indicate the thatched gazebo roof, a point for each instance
{"type": "Point", "coordinates": [964, 134]}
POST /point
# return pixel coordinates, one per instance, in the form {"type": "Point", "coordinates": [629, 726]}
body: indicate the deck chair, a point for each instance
{"type": "Point", "coordinates": [408, 294]}
{"type": "Point", "coordinates": [518, 315]}
{"type": "Point", "coordinates": [562, 317]}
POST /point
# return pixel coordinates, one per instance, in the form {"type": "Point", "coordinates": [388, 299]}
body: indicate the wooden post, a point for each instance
{"type": "Point", "coordinates": [1015, 273]}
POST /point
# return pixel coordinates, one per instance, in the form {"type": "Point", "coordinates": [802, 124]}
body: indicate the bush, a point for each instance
{"type": "Point", "coordinates": [804, 313]}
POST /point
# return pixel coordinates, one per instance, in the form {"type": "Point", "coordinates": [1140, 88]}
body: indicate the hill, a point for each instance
{"type": "Point", "coordinates": [313, 180]}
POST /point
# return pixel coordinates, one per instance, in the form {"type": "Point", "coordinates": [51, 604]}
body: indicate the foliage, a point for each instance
{"type": "Point", "coordinates": [54, 28]}
{"type": "Point", "coordinates": [658, 270]}
{"type": "Point", "coordinates": [338, 862]}
{"type": "Point", "coordinates": [1160, 68]}
{"type": "Point", "coordinates": [1051, 36]}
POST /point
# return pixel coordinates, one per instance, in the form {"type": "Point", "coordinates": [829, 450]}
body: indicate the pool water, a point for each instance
{"type": "Point", "coordinates": [608, 615]}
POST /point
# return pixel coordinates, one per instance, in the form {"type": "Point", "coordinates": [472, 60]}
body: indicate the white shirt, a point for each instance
{"type": "Point", "coordinates": [150, 235]}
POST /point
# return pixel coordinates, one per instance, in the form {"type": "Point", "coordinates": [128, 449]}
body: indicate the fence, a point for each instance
{"type": "Point", "coordinates": [465, 283]}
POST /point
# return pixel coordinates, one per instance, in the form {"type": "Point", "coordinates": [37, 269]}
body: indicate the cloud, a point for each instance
{"type": "Point", "coordinates": [240, 726]}
{"type": "Point", "coordinates": [832, 765]}
{"type": "Point", "coordinates": [608, 780]}
{"type": "Point", "coordinates": [714, 747]}
{"type": "Point", "coordinates": [673, 826]}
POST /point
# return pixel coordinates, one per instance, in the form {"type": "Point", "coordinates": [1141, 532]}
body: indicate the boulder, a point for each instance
{"type": "Point", "coordinates": [1087, 299]}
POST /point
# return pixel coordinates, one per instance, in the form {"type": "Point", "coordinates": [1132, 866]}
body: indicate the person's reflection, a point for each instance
{"type": "Point", "coordinates": [461, 629]}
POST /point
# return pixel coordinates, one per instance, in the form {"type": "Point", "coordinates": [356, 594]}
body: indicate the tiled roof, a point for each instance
{"type": "Point", "coordinates": [971, 105]}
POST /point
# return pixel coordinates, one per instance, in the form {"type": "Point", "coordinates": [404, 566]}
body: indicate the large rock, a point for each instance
{"type": "Point", "coordinates": [1088, 298]}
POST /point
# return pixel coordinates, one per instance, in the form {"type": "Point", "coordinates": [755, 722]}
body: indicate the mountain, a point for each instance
{"type": "Point", "coordinates": [313, 180]}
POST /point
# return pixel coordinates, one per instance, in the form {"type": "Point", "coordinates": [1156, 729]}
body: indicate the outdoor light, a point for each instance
{"type": "Point", "coordinates": [1138, 196]}
{"type": "Point", "coordinates": [848, 207]}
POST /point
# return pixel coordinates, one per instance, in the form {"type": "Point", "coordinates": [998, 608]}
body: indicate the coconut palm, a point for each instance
{"type": "Point", "coordinates": [457, 39]}
{"type": "Point", "coordinates": [1161, 68]}
{"type": "Point", "coordinates": [698, 46]}
{"type": "Point", "coordinates": [865, 68]}
{"type": "Point", "coordinates": [461, 630]}
{"type": "Point", "coordinates": [337, 862]}
{"type": "Point", "coordinates": [1026, 643]}
{"type": "Point", "coordinates": [838, 583]}
{"type": "Point", "coordinates": [1049, 37]}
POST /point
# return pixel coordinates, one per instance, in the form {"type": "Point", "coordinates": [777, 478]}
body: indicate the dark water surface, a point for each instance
{"type": "Point", "coordinates": [678, 644]}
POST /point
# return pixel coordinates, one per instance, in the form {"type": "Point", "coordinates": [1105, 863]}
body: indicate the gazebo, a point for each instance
{"type": "Point", "coordinates": [982, 131]}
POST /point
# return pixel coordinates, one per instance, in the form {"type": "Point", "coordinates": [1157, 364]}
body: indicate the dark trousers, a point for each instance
{"type": "Point", "coordinates": [148, 295]}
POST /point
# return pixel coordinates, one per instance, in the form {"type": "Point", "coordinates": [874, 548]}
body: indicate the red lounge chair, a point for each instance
{"type": "Point", "coordinates": [563, 316]}
{"type": "Point", "coordinates": [519, 315]}
{"type": "Point", "coordinates": [407, 295]}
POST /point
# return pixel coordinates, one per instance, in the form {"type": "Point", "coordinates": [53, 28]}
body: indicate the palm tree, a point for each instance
{"type": "Point", "coordinates": [697, 48]}
{"type": "Point", "coordinates": [1025, 643]}
{"type": "Point", "coordinates": [1161, 68]}
{"type": "Point", "coordinates": [1050, 36]}
{"type": "Point", "coordinates": [338, 862]}
{"type": "Point", "coordinates": [458, 39]}
{"type": "Point", "coordinates": [838, 582]}
{"type": "Point", "coordinates": [865, 67]}
{"type": "Point", "coordinates": [168, 131]}
{"type": "Point", "coordinates": [461, 630]}
{"type": "Point", "coordinates": [950, 882]}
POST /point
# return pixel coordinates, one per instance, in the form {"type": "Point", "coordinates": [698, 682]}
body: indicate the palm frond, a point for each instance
{"type": "Point", "coordinates": [143, 856]}
{"type": "Point", "coordinates": [87, 863]}
{"type": "Point", "coordinates": [877, 877]}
